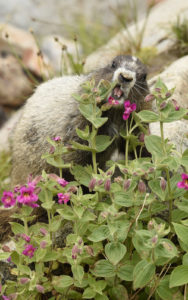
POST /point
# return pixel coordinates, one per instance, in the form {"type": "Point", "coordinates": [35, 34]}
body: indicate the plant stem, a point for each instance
{"type": "Point", "coordinates": [26, 226]}
{"type": "Point", "coordinates": [170, 195]}
{"type": "Point", "coordinates": [60, 172]}
{"type": "Point", "coordinates": [127, 144]}
{"type": "Point", "coordinates": [162, 137]}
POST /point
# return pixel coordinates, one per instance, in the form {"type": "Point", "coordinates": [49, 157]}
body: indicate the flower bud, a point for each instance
{"type": "Point", "coordinates": [163, 184]}
{"type": "Point", "coordinates": [141, 137]}
{"type": "Point", "coordinates": [150, 225]}
{"type": "Point", "coordinates": [75, 251]}
{"type": "Point", "coordinates": [167, 246]}
{"type": "Point", "coordinates": [99, 182]}
{"type": "Point", "coordinates": [154, 240]}
{"type": "Point", "coordinates": [141, 187]}
{"type": "Point", "coordinates": [126, 184]}
{"type": "Point", "coordinates": [107, 185]}
{"type": "Point", "coordinates": [89, 250]}
{"type": "Point", "coordinates": [24, 280]}
{"type": "Point", "coordinates": [92, 184]}
{"type": "Point", "coordinates": [118, 179]}
{"type": "Point", "coordinates": [175, 104]}
{"type": "Point", "coordinates": [149, 98]}
{"type": "Point", "coordinates": [168, 95]}
{"type": "Point", "coordinates": [158, 90]}
{"type": "Point", "coordinates": [151, 170]}
{"type": "Point", "coordinates": [72, 189]}
{"type": "Point", "coordinates": [43, 231]}
{"type": "Point", "coordinates": [163, 105]}
{"type": "Point", "coordinates": [104, 214]}
{"type": "Point", "coordinates": [109, 173]}
{"type": "Point", "coordinates": [40, 288]}
{"type": "Point", "coordinates": [5, 248]}
{"type": "Point", "coordinates": [125, 171]}
{"type": "Point", "coordinates": [43, 244]}
{"type": "Point", "coordinates": [80, 241]}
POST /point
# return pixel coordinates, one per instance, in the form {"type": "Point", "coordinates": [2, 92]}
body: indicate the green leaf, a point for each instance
{"type": "Point", "coordinates": [67, 213]}
{"type": "Point", "coordinates": [156, 189]}
{"type": "Point", "coordinates": [148, 116]}
{"type": "Point", "coordinates": [83, 134]}
{"type": "Point", "coordinates": [101, 297]}
{"type": "Point", "coordinates": [82, 174]}
{"type": "Point", "coordinates": [179, 276]}
{"type": "Point", "coordinates": [23, 269]}
{"type": "Point", "coordinates": [78, 272]}
{"type": "Point", "coordinates": [81, 146]}
{"type": "Point", "coordinates": [164, 291]}
{"type": "Point", "coordinates": [89, 293]}
{"type": "Point", "coordinates": [51, 255]}
{"type": "Point", "coordinates": [143, 273]}
{"type": "Point", "coordinates": [104, 268]}
{"type": "Point", "coordinates": [4, 255]}
{"type": "Point", "coordinates": [182, 232]}
{"type": "Point", "coordinates": [176, 115]}
{"type": "Point", "coordinates": [125, 272]}
{"type": "Point", "coordinates": [40, 254]}
{"type": "Point", "coordinates": [185, 259]}
{"type": "Point", "coordinates": [103, 142]}
{"type": "Point", "coordinates": [115, 251]}
{"type": "Point", "coordinates": [154, 145]}
{"type": "Point", "coordinates": [87, 111]}
{"type": "Point", "coordinates": [123, 198]}
{"type": "Point", "coordinates": [17, 228]}
{"type": "Point", "coordinates": [55, 224]}
{"type": "Point", "coordinates": [61, 282]}
{"type": "Point", "coordinates": [99, 234]}
{"type": "Point", "coordinates": [118, 292]}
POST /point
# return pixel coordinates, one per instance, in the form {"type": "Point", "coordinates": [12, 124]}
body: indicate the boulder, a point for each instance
{"type": "Point", "coordinates": [156, 34]}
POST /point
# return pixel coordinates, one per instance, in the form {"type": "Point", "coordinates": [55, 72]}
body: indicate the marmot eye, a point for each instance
{"type": "Point", "coordinates": [114, 64]}
{"type": "Point", "coordinates": [143, 77]}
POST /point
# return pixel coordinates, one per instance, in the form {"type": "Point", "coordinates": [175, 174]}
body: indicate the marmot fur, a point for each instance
{"type": "Point", "coordinates": [52, 111]}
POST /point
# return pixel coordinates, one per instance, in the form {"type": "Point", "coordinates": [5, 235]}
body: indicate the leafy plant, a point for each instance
{"type": "Point", "coordinates": [126, 236]}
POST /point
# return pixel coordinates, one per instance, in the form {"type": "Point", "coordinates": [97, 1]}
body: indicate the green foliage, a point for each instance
{"type": "Point", "coordinates": [126, 236]}
{"type": "Point", "coordinates": [180, 31]}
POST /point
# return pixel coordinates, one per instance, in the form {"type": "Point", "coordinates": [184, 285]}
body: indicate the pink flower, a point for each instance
{"type": "Point", "coordinates": [112, 101]}
{"type": "Point", "coordinates": [175, 104]}
{"type": "Point", "coordinates": [24, 280]}
{"type": "Point", "coordinates": [63, 198]}
{"type": "Point", "coordinates": [129, 108]}
{"type": "Point", "coordinates": [43, 231]}
{"type": "Point", "coordinates": [184, 183]}
{"type": "Point", "coordinates": [57, 139]}
{"type": "Point", "coordinates": [62, 182]}
{"type": "Point", "coordinates": [25, 237]}
{"type": "Point", "coordinates": [43, 244]}
{"type": "Point", "coordinates": [27, 196]}
{"type": "Point", "coordinates": [29, 250]}
{"type": "Point", "coordinates": [40, 288]}
{"type": "Point", "coordinates": [8, 199]}
{"type": "Point", "coordinates": [5, 297]}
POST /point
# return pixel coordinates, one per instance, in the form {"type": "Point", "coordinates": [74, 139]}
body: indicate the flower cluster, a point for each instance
{"type": "Point", "coordinates": [112, 101]}
{"type": "Point", "coordinates": [27, 196]}
{"type": "Point", "coordinates": [129, 108]}
{"type": "Point", "coordinates": [8, 199]}
{"type": "Point", "coordinates": [63, 198]}
{"type": "Point", "coordinates": [29, 250]}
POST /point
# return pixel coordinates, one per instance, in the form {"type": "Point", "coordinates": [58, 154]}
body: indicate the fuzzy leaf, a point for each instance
{"type": "Point", "coordinates": [179, 276]}
{"type": "Point", "coordinates": [154, 145]}
{"type": "Point", "coordinates": [182, 232]}
{"type": "Point", "coordinates": [78, 272]}
{"type": "Point", "coordinates": [148, 116]}
{"type": "Point", "coordinates": [125, 272]}
{"type": "Point", "coordinates": [143, 273]}
{"type": "Point", "coordinates": [115, 251]}
{"type": "Point", "coordinates": [123, 199]}
{"type": "Point", "coordinates": [61, 282]}
{"type": "Point", "coordinates": [99, 234]}
{"type": "Point", "coordinates": [89, 293]}
{"type": "Point", "coordinates": [104, 268]}
{"type": "Point", "coordinates": [103, 142]}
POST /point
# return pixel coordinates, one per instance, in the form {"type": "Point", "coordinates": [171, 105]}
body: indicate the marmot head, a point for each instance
{"type": "Point", "coordinates": [130, 74]}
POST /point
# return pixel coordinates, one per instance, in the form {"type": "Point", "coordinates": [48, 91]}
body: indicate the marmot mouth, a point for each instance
{"type": "Point", "coordinates": [117, 92]}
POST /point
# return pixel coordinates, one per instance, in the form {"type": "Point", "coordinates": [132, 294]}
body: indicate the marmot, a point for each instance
{"type": "Point", "coordinates": [52, 111]}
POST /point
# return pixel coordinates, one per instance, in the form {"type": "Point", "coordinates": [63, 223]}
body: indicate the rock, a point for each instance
{"type": "Point", "coordinates": [156, 34]}
{"type": "Point", "coordinates": [6, 131]}
{"type": "Point", "coordinates": [176, 75]}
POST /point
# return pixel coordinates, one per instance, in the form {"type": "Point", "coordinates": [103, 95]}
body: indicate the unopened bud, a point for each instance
{"type": "Point", "coordinates": [151, 170]}
{"type": "Point", "coordinates": [5, 248]}
{"type": "Point", "coordinates": [167, 246]}
{"type": "Point", "coordinates": [175, 104]}
{"type": "Point", "coordinates": [104, 214]}
{"type": "Point", "coordinates": [43, 244]}
{"type": "Point", "coordinates": [92, 184]}
{"type": "Point", "coordinates": [158, 90]}
{"type": "Point", "coordinates": [150, 225]}
{"type": "Point", "coordinates": [163, 184]}
{"type": "Point", "coordinates": [98, 99]}
{"type": "Point", "coordinates": [149, 98]}
{"type": "Point", "coordinates": [80, 241]}
{"type": "Point", "coordinates": [163, 105]}
{"type": "Point", "coordinates": [168, 95]}
{"type": "Point", "coordinates": [141, 187]}
{"type": "Point", "coordinates": [43, 231]}
{"type": "Point", "coordinates": [107, 185]}
{"type": "Point", "coordinates": [24, 280]}
{"type": "Point", "coordinates": [125, 171]}
{"type": "Point", "coordinates": [154, 239]}
{"type": "Point", "coordinates": [40, 288]}
{"type": "Point", "coordinates": [126, 184]}
{"type": "Point", "coordinates": [72, 189]}
{"type": "Point", "coordinates": [89, 250]}
{"type": "Point", "coordinates": [75, 251]}
{"type": "Point", "coordinates": [109, 173]}
{"type": "Point", "coordinates": [141, 137]}
{"type": "Point", "coordinates": [99, 182]}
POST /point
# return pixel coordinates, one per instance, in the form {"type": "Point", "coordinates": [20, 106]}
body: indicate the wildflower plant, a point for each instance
{"type": "Point", "coordinates": [126, 235]}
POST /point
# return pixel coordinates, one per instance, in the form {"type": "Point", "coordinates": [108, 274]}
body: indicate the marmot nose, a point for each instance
{"type": "Point", "coordinates": [124, 78]}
